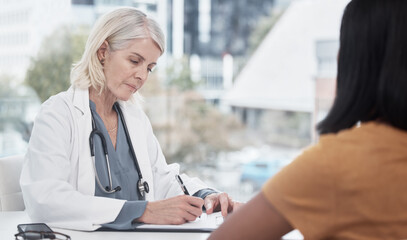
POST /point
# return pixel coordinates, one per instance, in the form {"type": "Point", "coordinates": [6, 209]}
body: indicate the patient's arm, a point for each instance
{"type": "Point", "coordinates": [257, 219]}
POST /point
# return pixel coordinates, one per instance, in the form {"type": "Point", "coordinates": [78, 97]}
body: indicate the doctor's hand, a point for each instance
{"type": "Point", "coordinates": [175, 210]}
{"type": "Point", "coordinates": [216, 202]}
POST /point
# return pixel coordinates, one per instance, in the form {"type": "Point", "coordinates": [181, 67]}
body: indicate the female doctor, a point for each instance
{"type": "Point", "coordinates": [93, 160]}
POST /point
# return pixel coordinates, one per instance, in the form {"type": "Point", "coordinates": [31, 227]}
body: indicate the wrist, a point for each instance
{"type": "Point", "coordinates": [144, 217]}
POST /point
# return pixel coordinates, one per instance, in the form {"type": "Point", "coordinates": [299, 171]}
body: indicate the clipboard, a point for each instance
{"type": "Point", "coordinates": [206, 223]}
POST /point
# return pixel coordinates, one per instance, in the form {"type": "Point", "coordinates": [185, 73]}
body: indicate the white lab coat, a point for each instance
{"type": "Point", "coordinates": [58, 179]}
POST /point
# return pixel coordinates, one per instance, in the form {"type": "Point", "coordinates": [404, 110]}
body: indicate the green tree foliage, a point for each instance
{"type": "Point", "coordinates": [49, 72]}
{"type": "Point", "coordinates": [188, 128]}
{"type": "Point", "coordinates": [202, 131]}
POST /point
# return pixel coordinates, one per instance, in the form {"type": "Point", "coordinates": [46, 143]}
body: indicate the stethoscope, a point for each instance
{"type": "Point", "coordinates": [142, 186]}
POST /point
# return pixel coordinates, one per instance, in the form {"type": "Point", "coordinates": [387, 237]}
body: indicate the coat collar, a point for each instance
{"type": "Point", "coordinates": [80, 99]}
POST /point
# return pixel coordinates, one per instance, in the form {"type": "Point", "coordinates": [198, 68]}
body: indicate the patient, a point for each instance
{"type": "Point", "coordinates": [352, 184]}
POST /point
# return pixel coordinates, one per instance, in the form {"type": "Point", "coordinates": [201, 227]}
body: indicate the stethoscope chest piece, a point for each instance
{"type": "Point", "coordinates": [143, 187]}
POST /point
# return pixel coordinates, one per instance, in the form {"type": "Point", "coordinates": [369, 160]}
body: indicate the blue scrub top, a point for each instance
{"type": "Point", "coordinates": [123, 171]}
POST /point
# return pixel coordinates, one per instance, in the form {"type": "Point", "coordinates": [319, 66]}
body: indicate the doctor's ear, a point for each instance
{"type": "Point", "coordinates": [102, 51]}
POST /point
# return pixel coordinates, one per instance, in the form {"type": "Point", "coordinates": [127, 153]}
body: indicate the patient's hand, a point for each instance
{"type": "Point", "coordinates": [220, 202]}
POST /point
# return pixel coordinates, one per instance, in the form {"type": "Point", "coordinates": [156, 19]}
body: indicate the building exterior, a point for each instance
{"type": "Point", "coordinates": [215, 29]}
{"type": "Point", "coordinates": [290, 75]}
{"type": "Point", "coordinates": [23, 25]}
{"type": "Point", "coordinates": [213, 34]}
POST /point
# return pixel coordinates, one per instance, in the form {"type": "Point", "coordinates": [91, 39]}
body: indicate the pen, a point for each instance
{"type": "Point", "coordinates": [183, 188]}
{"type": "Point", "coordinates": [181, 184]}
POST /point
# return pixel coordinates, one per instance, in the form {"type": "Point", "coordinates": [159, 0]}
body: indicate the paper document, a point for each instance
{"type": "Point", "coordinates": [206, 223]}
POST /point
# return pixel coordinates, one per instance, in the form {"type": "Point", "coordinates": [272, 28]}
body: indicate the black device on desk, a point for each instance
{"type": "Point", "coordinates": [38, 231]}
{"type": "Point", "coordinates": [36, 227]}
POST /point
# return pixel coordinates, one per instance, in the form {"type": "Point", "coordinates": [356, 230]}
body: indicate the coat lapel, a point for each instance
{"type": "Point", "coordinates": [86, 174]}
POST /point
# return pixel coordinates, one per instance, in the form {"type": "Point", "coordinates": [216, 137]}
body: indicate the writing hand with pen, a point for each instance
{"type": "Point", "coordinates": [186, 208]}
{"type": "Point", "coordinates": [175, 210]}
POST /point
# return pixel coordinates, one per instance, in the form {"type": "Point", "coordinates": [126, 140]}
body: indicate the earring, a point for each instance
{"type": "Point", "coordinates": [102, 61]}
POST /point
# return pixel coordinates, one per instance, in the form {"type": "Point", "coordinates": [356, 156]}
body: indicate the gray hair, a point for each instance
{"type": "Point", "coordinates": [117, 27]}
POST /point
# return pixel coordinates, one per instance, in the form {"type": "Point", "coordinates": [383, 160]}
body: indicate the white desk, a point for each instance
{"type": "Point", "coordinates": [10, 220]}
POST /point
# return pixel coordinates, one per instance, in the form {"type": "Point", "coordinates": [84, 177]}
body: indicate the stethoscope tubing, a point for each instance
{"type": "Point", "coordinates": [133, 153]}
{"type": "Point", "coordinates": [142, 186]}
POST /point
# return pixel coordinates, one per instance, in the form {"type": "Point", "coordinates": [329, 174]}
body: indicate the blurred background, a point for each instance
{"type": "Point", "coordinates": [234, 99]}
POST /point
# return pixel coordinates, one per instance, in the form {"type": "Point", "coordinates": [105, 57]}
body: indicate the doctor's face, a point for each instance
{"type": "Point", "coordinates": [126, 70]}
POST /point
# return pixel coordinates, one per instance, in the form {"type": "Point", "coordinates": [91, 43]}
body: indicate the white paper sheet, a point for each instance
{"type": "Point", "coordinates": [206, 223]}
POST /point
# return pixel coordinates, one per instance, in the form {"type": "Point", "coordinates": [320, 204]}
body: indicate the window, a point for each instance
{"type": "Point", "coordinates": [267, 110]}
